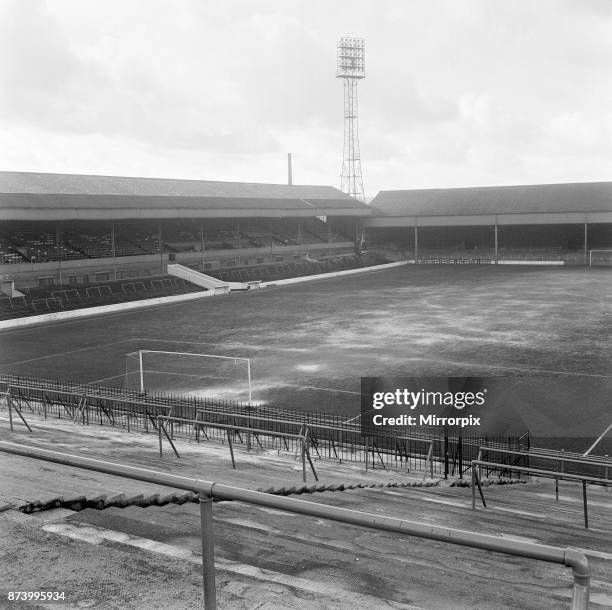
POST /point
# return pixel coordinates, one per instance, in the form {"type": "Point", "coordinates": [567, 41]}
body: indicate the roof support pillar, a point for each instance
{"type": "Point", "coordinates": [160, 245]}
{"type": "Point", "coordinates": [202, 245]}
{"type": "Point", "coordinates": [113, 250]}
{"type": "Point", "coordinates": [58, 249]}
{"type": "Point", "coordinates": [586, 245]}
{"type": "Point", "coordinates": [416, 243]}
{"type": "Point", "coordinates": [496, 242]}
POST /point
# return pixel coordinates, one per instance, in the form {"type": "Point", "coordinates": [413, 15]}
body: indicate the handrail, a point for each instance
{"type": "Point", "coordinates": [209, 491]}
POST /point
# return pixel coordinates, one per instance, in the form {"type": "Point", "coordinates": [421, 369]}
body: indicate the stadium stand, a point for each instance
{"type": "Point", "coordinates": [58, 226]}
{"type": "Point", "coordinates": [64, 297]}
{"type": "Point", "coordinates": [95, 228]}
{"type": "Point", "coordinates": [554, 222]}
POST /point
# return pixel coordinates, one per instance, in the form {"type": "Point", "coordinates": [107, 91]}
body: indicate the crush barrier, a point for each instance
{"type": "Point", "coordinates": [551, 474]}
{"type": "Point", "coordinates": [559, 461]}
{"type": "Point", "coordinates": [303, 438]}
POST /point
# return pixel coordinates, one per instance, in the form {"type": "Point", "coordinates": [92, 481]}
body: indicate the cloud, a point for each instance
{"type": "Point", "coordinates": [471, 92]}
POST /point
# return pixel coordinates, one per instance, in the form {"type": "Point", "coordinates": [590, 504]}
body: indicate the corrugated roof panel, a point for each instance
{"type": "Point", "coordinates": [544, 198]}
{"type": "Point", "coordinates": [74, 184]}
{"type": "Point", "coordinates": [106, 202]}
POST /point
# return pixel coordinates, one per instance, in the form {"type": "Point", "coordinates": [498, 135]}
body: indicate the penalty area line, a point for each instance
{"type": "Point", "coordinates": [66, 353]}
{"type": "Point", "coordinates": [500, 367]}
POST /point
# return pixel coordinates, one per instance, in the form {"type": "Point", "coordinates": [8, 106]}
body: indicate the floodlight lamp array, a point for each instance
{"type": "Point", "coordinates": [351, 58]}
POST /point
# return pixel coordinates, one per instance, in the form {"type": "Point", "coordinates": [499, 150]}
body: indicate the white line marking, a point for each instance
{"type": "Point", "coordinates": [109, 378]}
{"type": "Point", "coordinates": [67, 353]}
{"type": "Point", "coordinates": [503, 368]}
{"type": "Point", "coordinates": [313, 387]}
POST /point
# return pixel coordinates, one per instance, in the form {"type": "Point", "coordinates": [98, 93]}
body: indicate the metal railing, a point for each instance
{"type": "Point", "coordinates": [551, 474]}
{"type": "Point", "coordinates": [6, 398]}
{"type": "Point", "coordinates": [303, 437]}
{"type": "Point", "coordinates": [210, 491]}
{"type": "Point", "coordinates": [429, 450]}
{"type": "Point", "coordinates": [531, 458]}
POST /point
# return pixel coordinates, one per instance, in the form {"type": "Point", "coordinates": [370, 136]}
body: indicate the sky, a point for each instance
{"type": "Point", "coordinates": [457, 92]}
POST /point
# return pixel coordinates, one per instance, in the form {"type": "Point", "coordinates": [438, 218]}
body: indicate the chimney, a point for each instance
{"type": "Point", "coordinates": [289, 170]}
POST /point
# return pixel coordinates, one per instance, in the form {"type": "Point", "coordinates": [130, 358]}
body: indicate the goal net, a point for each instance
{"type": "Point", "coordinates": [224, 377]}
{"type": "Point", "coordinates": [599, 258]}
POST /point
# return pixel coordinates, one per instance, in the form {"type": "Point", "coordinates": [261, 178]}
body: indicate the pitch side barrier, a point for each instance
{"type": "Point", "coordinates": [210, 491]}
{"type": "Point", "coordinates": [560, 459]}
{"type": "Point", "coordinates": [551, 474]}
{"type": "Point", "coordinates": [179, 402]}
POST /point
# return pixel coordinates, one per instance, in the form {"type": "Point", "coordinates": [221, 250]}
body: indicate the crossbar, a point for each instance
{"type": "Point", "coordinates": [208, 490]}
{"type": "Point", "coordinates": [140, 352]}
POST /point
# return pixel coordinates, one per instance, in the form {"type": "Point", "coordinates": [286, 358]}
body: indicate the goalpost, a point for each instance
{"type": "Point", "coordinates": [604, 256]}
{"type": "Point", "coordinates": [141, 354]}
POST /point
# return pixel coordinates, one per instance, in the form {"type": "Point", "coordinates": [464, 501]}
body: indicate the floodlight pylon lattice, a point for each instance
{"type": "Point", "coordinates": [351, 69]}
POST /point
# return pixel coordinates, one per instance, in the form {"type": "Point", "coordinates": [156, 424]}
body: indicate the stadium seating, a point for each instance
{"type": "Point", "coordinates": [90, 240]}
{"type": "Point", "coordinates": [39, 247]}
{"type": "Point", "coordinates": [56, 298]}
{"type": "Point", "coordinates": [45, 299]}
{"type": "Point", "coordinates": [100, 245]}
{"type": "Point", "coordinates": [279, 271]}
{"type": "Point", "coordinates": [8, 253]}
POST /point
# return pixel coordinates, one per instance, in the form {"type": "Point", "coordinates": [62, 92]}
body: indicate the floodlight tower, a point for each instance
{"type": "Point", "coordinates": [351, 68]}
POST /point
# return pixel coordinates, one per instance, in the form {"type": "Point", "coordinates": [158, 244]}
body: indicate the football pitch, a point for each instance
{"type": "Point", "coordinates": [310, 344]}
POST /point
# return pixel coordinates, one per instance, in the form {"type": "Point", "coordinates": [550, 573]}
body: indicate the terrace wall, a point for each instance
{"type": "Point", "coordinates": [85, 271]}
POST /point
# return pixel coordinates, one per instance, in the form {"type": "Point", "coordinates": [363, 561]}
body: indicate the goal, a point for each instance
{"type": "Point", "coordinates": [226, 377]}
{"type": "Point", "coordinates": [599, 258]}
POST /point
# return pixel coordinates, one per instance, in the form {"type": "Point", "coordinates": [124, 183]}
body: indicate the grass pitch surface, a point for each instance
{"type": "Point", "coordinates": [310, 343]}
